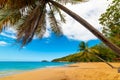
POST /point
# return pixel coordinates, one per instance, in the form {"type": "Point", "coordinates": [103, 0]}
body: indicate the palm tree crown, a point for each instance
{"type": "Point", "coordinates": [29, 17]}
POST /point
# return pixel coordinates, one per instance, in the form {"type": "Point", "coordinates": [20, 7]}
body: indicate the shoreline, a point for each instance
{"type": "Point", "coordinates": [75, 71]}
{"type": "Point", "coordinates": [15, 72]}
{"type": "Point", "coordinates": [10, 73]}
{"type": "Point", "coordinates": [5, 73]}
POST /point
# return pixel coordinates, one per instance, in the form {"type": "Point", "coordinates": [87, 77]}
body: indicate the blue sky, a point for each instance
{"type": "Point", "coordinates": [51, 46]}
{"type": "Point", "coordinates": [40, 49]}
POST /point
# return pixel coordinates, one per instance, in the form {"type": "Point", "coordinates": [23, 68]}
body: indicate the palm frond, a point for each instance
{"type": "Point", "coordinates": [16, 4]}
{"type": "Point", "coordinates": [82, 46]}
{"type": "Point", "coordinates": [56, 9]}
{"type": "Point", "coordinates": [27, 30]}
{"type": "Point", "coordinates": [9, 16]}
{"type": "Point", "coordinates": [41, 29]}
{"type": "Point", "coordinates": [2, 3]}
{"type": "Point", "coordinates": [71, 1]}
{"type": "Point", "coordinates": [53, 22]}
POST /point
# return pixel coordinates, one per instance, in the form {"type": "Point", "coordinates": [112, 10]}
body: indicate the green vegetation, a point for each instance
{"type": "Point", "coordinates": [90, 55]}
{"type": "Point", "coordinates": [111, 22]}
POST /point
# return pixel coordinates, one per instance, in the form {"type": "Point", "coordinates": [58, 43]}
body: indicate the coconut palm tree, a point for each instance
{"type": "Point", "coordinates": [87, 53]}
{"type": "Point", "coordinates": [84, 52]}
{"type": "Point", "coordinates": [30, 17]}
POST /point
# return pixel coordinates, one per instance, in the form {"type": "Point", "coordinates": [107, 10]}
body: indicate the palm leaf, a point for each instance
{"type": "Point", "coordinates": [7, 16]}
{"type": "Point", "coordinates": [71, 1]}
{"type": "Point", "coordinates": [27, 29]}
{"type": "Point", "coordinates": [53, 22]}
{"type": "Point", "coordinates": [82, 46]}
{"type": "Point", "coordinates": [41, 29]}
{"type": "Point", "coordinates": [59, 12]}
{"type": "Point", "coordinates": [2, 3]}
{"type": "Point", "coordinates": [16, 4]}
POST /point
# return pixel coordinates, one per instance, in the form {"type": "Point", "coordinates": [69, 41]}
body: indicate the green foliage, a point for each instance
{"type": "Point", "coordinates": [76, 58]}
{"type": "Point", "coordinates": [54, 23]}
{"type": "Point", "coordinates": [100, 50]}
{"type": "Point", "coordinates": [111, 22]}
{"type": "Point", "coordinates": [82, 46]}
{"type": "Point", "coordinates": [105, 53]}
{"type": "Point", "coordinates": [83, 56]}
{"type": "Point", "coordinates": [29, 17]}
{"type": "Point", "coordinates": [87, 54]}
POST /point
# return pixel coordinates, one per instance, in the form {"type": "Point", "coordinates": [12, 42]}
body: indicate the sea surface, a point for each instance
{"type": "Point", "coordinates": [9, 68]}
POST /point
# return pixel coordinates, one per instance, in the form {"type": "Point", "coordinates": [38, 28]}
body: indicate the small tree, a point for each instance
{"type": "Point", "coordinates": [83, 47]}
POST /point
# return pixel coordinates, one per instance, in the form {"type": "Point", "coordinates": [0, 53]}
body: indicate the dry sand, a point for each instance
{"type": "Point", "coordinates": [78, 71]}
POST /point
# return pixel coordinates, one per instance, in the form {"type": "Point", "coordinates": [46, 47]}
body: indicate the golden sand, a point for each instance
{"type": "Point", "coordinates": [78, 71]}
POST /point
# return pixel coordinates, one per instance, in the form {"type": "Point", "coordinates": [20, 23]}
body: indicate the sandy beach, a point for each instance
{"type": "Point", "coordinates": [78, 71]}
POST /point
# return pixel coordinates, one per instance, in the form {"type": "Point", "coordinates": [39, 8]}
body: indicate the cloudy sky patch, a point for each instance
{"type": "Point", "coordinates": [91, 12]}
{"type": "Point", "coordinates": [3, 43]}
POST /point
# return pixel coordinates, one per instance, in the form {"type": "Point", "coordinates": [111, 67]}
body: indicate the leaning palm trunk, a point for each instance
{"type": "Point", "coordinates": [113, 67]}
{"type": "Point", "coordinates": [104, 61]}
{"type": "Point", "coordinates": [89, 27]}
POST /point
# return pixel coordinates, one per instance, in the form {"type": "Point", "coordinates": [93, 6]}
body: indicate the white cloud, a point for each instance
{"type": "Point", "coordinates": [9, 32]}
{"type": "Point", "coordinates": [47, 33]}
{"type": "Point", "coordinates": [91, 12]}
{"type": "Point", "coordinates": [8, 35]}
{"type": "Point", "coordinates": [3, 43]}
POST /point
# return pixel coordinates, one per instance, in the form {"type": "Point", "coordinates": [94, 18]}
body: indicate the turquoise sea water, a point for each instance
{"type": "Point", "coordinates": [8, 68]}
